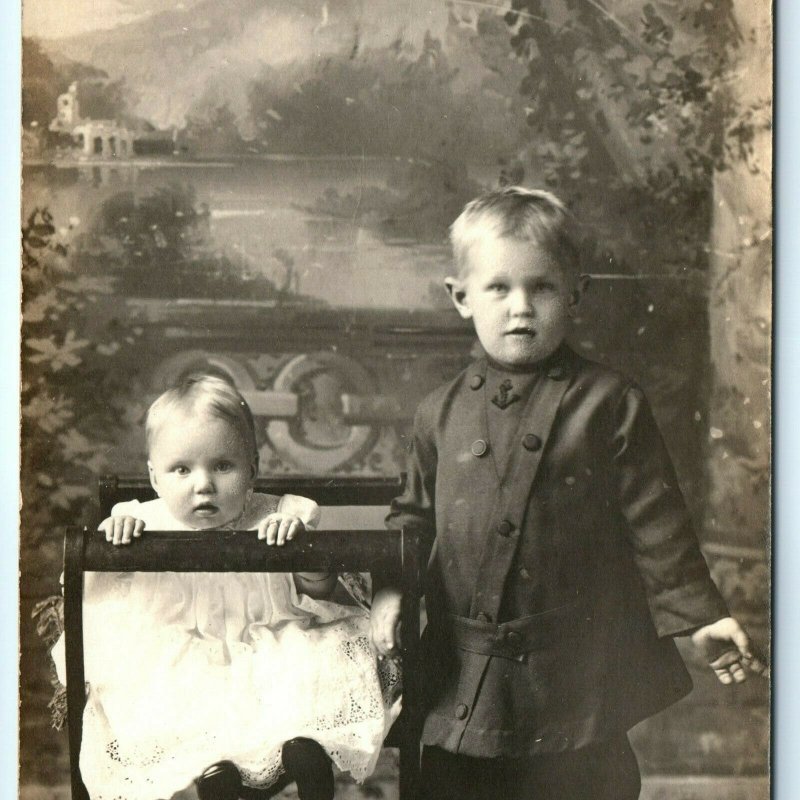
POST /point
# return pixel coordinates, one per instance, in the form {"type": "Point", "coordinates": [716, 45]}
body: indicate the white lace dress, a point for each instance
{"type": "Point", "coordinates": [186, 669]}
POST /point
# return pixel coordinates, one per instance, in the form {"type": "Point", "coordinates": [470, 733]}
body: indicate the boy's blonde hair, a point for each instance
{"type": "Point", "coordinates": [529, 215]}
{"type": "Point", "coordinates": [204, 393]}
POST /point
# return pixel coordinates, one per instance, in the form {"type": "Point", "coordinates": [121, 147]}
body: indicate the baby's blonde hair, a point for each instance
{"type": "Point", "coordinates": [530, 215]}
{"type": "Point", "coordinates": [204, 393]}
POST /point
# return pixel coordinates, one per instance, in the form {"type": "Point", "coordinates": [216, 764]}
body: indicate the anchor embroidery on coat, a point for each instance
{"type": "Point", "coordinates": [503, 399]}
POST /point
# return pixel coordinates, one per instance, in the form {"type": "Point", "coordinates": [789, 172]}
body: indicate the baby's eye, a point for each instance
{"type": "Point", "coordinates": [497, 286]}
{"type": "Point", "coordinates": [182, 470]}
{"type": "Point", "coordinates": [224, 466]}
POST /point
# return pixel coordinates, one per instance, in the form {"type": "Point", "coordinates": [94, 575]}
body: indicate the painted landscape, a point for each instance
{"type": "Point", "coordinates": [265, 187]}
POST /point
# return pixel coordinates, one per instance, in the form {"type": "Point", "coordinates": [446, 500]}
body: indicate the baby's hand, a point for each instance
{"type": "Point", "coordinates": [384, 622]}
{"type": "Point", "coordinates": [727, 649]}
{"type": "Point", "coordinates": [120, 530]}
{"type": "Point", "coordinates": [280, 527]}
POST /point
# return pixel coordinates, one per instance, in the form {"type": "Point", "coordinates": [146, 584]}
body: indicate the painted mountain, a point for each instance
{"type": "Point", "coordinates": [339, 76]}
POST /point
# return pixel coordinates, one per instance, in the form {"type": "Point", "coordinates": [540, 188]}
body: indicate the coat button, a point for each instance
{"type": "Point", "coordinates": [476, 381]}
{"type": "Point", "coordinates": [505, 527]}
{"type": "Point", "coordinates": [479, 448]}
{"type": "Point", "coordinates": [557, 372]}
{"type": "Point", "coordinates": [564, 741]}
{"type": "Point", "coordinates": [513, 638]}
{"type": "Point", "coordinates": [484, 617]}
{"type": "Point", "coordinates": [461, 711]}
{"type": "Point", "coordinates": [530, 441]}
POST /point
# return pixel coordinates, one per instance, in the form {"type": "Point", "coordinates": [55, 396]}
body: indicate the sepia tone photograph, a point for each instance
{"type": "Point", "coordinates": [431, 338]}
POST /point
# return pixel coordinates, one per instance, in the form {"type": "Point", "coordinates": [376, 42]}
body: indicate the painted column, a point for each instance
{"type": "Point", "coordinates": [740, 297]}
{"type": "Point", "coordinates": [737, 515]}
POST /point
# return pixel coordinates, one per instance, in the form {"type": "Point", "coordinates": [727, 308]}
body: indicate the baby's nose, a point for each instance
{"type": "Point", "coordinates": [204, 483]}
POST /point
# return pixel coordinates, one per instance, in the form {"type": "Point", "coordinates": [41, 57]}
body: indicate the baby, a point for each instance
{"type": "Point", "coordinates": [255, 674]}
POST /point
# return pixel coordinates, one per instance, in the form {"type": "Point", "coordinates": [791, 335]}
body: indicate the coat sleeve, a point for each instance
{"type": "Point", "coordinates": [680, 593]}
{"type": "Point", "coordinates": [415, 507]}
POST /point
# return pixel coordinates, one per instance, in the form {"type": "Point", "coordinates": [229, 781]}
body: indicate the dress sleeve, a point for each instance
{"type": "Point", "coordinates": [302, 507]}
{"type": "Point", "coordinates": [128, 508]}
{"type": "Point", "coordinates": [681, 595]}
{"type": "Point", "coordinates": [58, 654]}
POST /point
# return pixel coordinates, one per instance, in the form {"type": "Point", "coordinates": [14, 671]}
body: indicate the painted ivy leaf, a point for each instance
{"type": "Point", "coordinates": [50, 414]}
{"type": "Point", "coordinates": [108, 349]}
{"type": "Point", "coordinates": [66, 494]}
{"type": "Point", "coordinates": [638, 66]}
{"type": "Point", "coordinates": [73, 443]}
{"type": "Point", "coordinates": [58, 355]}
{"type": "Point", "coordinates": [615, 53]}
{"type": "Point", "coordinates": [96, 464]}
{"type": "Point", "coordinates": [37, 309]}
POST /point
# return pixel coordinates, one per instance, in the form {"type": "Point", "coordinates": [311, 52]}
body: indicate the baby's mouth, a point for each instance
{"type": "Point", "coordinates": [206, 509]}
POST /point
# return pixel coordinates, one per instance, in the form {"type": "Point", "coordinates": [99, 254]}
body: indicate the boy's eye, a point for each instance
{"type": "Point", "coordinates": [224, 466]}
{"type": "Point", "coordinates": [544, 286]}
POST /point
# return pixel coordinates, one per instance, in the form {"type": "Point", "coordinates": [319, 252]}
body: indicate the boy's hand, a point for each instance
{"type": "Point", "coordinates": [384, 621]}
{"type": "Point", "coordinates": [279, 528]}
{"type": "Point", "coordinates": [727, 649]}
{"type": "Point", "coordinates": [121, 530]}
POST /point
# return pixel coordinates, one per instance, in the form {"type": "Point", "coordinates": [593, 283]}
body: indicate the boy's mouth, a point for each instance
{"type": "Point", "coordinates": [521, 332]}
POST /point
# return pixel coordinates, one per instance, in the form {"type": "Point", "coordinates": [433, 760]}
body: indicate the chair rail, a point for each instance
{"type": "Point", "coordinates": [326, 490]}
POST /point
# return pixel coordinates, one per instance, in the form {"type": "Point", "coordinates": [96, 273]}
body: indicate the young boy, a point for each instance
{"type": "Point", "coordinates": [563, 558]}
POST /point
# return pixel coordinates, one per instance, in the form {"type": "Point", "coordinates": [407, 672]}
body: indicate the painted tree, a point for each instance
{"type": "Point", "coordinates": [636, 103]}
{"type": "Point", "coordinates": [654, 119]}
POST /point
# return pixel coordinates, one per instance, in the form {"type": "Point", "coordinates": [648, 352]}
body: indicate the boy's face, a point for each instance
{"type": "Point", "coordinates": [200, 466]}
{"type": "Point", "coordinates": [518, 297]}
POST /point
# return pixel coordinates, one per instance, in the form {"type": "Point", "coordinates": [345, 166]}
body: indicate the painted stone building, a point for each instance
{"type": "Point", "coordinates": [106, 138]}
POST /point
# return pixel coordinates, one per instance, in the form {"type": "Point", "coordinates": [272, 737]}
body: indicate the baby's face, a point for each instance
{"type": "Point", "coordinates": [518, 298]}
{"type": "Point", "coordinates": [201, 467]}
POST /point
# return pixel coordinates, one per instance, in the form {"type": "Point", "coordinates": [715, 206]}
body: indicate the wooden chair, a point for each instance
{"type": "Point", "coordinates": [375, 550]}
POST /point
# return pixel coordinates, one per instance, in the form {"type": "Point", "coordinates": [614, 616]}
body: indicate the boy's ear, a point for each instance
{"type": "Point", "coordinates": [152, 475]}
{"type": "Point", "coordinates": [576, 295]}
{"type": "Point", "coordinates": [458, 294]}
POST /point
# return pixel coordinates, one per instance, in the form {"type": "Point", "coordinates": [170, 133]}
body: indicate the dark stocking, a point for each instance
{"type": "Point", "coordinates": [221, 781]}
{"type": "Point", "coordinates": [309, 767]}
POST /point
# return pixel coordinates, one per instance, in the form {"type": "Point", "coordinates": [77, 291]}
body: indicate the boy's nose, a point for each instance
{"type": "Point", "coordinates": [520, 303]}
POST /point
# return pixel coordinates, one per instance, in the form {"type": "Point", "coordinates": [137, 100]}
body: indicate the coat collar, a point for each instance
{"type": "Point", "coordinates": [559, 365]}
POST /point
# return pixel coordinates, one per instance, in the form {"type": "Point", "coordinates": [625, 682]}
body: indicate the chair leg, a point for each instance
{"type": "Point", "coordinates": [409, 771]}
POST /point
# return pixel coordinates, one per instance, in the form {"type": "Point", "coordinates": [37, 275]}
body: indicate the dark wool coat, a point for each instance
{"type": "Point", "coordinates": [557, 580]}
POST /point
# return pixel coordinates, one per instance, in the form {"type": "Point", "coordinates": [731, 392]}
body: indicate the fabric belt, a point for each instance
{"type": "Point", "coordinates": [515, 638]}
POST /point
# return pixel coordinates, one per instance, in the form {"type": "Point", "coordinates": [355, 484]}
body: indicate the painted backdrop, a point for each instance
{"type": "Point", "coordinates": [263, 188]}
